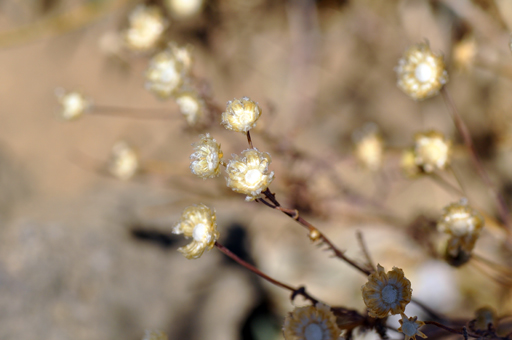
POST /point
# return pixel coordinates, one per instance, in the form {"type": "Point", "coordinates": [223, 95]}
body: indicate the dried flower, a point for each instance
{"type": "Point", "coordinates": [74, 104]}
{"type": "Point", "coordinates": [369, 146]}
{"type": "Point", "coordinates": [183, 9]}
{"type": "Point", "coordinates": [410, 327]}
{"type": "Point", "coordinates": [421, 73]}
{"type": "Point", "coordinates": [241, 115]}
{"type": "Point", "coordinates": [386, 292]}
{"type": "Point", "coordinates": [183, 54]}
{"type": "Point", "coordinates": [198, 222]}
{"type": "Point", "coordinates": [165, 74]}
{"type": "Point", "coordinates": [408, 163]}
{"type": "Point", "coordinates": [155, 335]}
{"type": "Point", "coordinates": [249, 174]}
{"type": "Point", "coordinates": [124, 162]}
{"type": "Point", "coordinates": [206, 159]}
{"type": "Point", "coordinates": [311, 323]}
{"type": "Point", "coordinates": [191, 105]}
{"type": "Point", "coordinates": [146, 25]}
{"type": "Point", "coordinates": [463, 224]}
{"type": "Point", "coordinates": [464, 53]}
{"type": "Point", "coordinates": [432, 151]}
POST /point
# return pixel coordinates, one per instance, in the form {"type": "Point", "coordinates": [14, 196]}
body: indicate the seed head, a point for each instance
{"type": "Point", "coordinates": [311, 323]}
{"type": "Point", "coordinates": [410, 327]}
{"type": "Point", "coordinates": [386, 292]}
{"type": "Point", "coordinates": [249, 174]}
{"type": "Point", "coordinates": [124, 161]}
{"type": "Point", "coordinates": [421, 73]}
{"type": "Point", "coordinates": [432, 151]}
{"type": "Point", "coordinates": [198, 222]}
{"type": "Point", "coordinates": [206, 159]}
{"type": "Point", "coordinates": [146, 25]}
{"type": "Point", "coordinates": [241, 115]}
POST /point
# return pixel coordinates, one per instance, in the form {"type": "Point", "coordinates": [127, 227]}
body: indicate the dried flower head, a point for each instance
{"type": "Point", "coordinates": [154, 335]}
{"type": "Point", "coordinates": [386, 292]}
{"type": "Point", "coordinates": [432, 150]}
{"type": "Point", "coordinates": [184, 9]}
{"type": "Point", "coordinates": [73, 104]}
{"type": "Point", "coordinates": [146, 26]}
{"type": "Point", "coordinates": [164, 74]}
{"type": "Point", "coordinates": [410, 327]}
{"type": "Point", "coordinates": [124, 162]}
{"type": "Point", "coordinates": [206, 159]}
{"type": "Point", "coordinates": [311, 323]}
{"type": "Point", "coordinates": [369, 146]}
{"type": "Point", "coordinates": [191, 105]}
{"type": "Point", "coordinates": [241, 115]}
{"type": "Point", "coordinates": [421, 73]}
{"type": "Point", "coordinates": [408, 163]}
{"type": "Point", "coordinates": [249, 174]}
{"type": "Point", "coordinates": [198, 222]}
{"type": "Point", "coordinates": [463, 224]}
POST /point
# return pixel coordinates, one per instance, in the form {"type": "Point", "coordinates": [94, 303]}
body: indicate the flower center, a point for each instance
{"type": "Point", "coordinates": [200, 232]}
{"type": "Point", "coordinates": [389, 294]}
{"type": "Point", "coordinates": [252, 177]}
{"type": "Point", "coordinates": [423, 72]}
{"type": "Point", "coordinates": [409, 328]}
{"type": "Point", "coordinates": [313, 331]}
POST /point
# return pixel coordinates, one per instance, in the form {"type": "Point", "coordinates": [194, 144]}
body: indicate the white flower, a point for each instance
{"type": "Point", "coordinates": [73, 104]}
{"type": "Point", "coordinates": [146, 25]}
{"type": "Point", "coordinates": [124, 162]}
{"type": "Point", "coordinates": [206, 159]}
{"type": "Point", "coordinates": [241, 115]}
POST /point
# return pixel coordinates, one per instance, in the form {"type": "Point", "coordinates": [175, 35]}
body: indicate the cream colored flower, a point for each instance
{"type": "Point", "coordinates": [183, 9]}
{"type": "Point", "coordinates": [73, 104]}
{"type": "Point", "coordinates": [463, 224]}
{"type": "Point", "coordinates": [124, 162]}
{"type": "Point", "coordinates": [191, 106]}
{"type": "Point", "coordinates": [369, 146]}
{"type": "Point", "coordinates": [410, 327]}
{"type": "Point", "coordinates": [207, 157]}
{"type": "Point", "coordinates": [241, 115]}
{"type": "Point", "coordinates": [146, 26]}
{"type": "Point", "coordinates": [198, 222]}
{"type": "Point", "coordinates": [408, 163]}
{"type": "Point", "coordinates": [432, 151]}
{"type": "Point", "coordinates": [164, 75]}
{"type": "Point", "coordinates": [464, 53]}
{"type": "Point", "coordinates": [311, 323]}
{"type": "Point", "coordinates": [155, 335]}
{"type": "Point", "coordinates": [249, 174]}
{"type": "Point", "coordinates": [386, 292]}
{"type": "Point", "coordinates": [421, 73]}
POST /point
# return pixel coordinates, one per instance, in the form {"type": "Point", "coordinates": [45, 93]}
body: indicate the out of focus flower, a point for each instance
{"type": "Point", "coordinates": [241, 115]}
{"type": "Point", "coordinates": [410, 327]}
{"type": "Point", "coordinates": [155, 335]}
{"type": "Point", "coordinates": [183, 54]}
{"type": "Point", "coordinates": [191, 105]}
{"type": "Point", "coordinates": [463, 224]}
{"type": "Point", "coordinates": [164, 75]}
{"type": "Point", "coordinates": [73, 104]}
{"type": "Point", "coordinates": [408, 163]}
{"type": "Point", "coordinates": [183, 9]}
{"type": "Point", "coordinates": [249, 174]}
{"type": "Point", "coordinates": [369, 146]}
{"type": "Point", "coordinates": [124, 162]}
{"type": "Point", "coordinates": [311, 323]}
{"type": "Point", "coordinates": [386, 292]}
{"type": "Point", "coordinates": [146, 26]}
{"type": "Point", "coordinates": [421, 73]}
{"type": "Point", "coordinates": [198, 222]}
{"type": "Point", "coordinates": [206, 159]}
{"type": "Point", "coordinates": [464, 53]}
{"type": "Point", "coordinates": [432, 151]}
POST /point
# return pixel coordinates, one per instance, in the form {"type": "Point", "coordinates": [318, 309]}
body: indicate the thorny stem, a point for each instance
{"type": "Point", "coordinates": [468, 141]}
{"type": "Point", "coordinates": [451, 330]}
{"type": "Point", "coordinates": [294, 214]}
{"type": "Point", "coordinates": [295, 291]}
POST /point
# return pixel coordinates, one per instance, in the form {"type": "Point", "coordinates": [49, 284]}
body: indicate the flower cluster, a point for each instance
{"type": "Point", "coordinates": [198, 222]}
{"type": "Point", "coordinates": [463, 224]}
{"type": "Point", "coordinates": [311, 323]}
{"type": "Point", "coordinates": [421, 73]}
{"type": "Point", "coordinates": [146, 26]}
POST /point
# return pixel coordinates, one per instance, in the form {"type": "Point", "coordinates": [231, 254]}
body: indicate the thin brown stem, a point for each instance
{"type": "Point", "coordinates": [451, 330]}
{"type": "Point", "coordinates": [446, 185]}
{"type": "Point", "coordinates": [249, 140]}
{"type": "Point", "coordinates": [364, 248]}
{"type": "Point", "coordinates": [295, 291]}
{"type": "Point", "coordinates": [468, 141]}
{"type": "Point", "coordinates": [294, 214]}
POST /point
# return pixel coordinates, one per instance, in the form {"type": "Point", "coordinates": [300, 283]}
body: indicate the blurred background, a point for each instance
{"type": "Point", "coordinates": [84, 255]}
